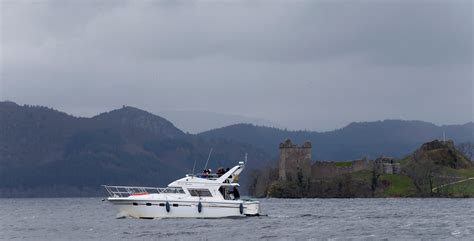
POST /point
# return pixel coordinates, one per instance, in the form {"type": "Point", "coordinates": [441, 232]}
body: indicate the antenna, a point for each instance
{"type": "Point", "coordinates": [210, 152]}
{"type": "Point", "coordinates": [444, 136]}
{"type": "Point", "coordinates": [245, 158]}
{"type": "Point", "coordinates": [194, 166]}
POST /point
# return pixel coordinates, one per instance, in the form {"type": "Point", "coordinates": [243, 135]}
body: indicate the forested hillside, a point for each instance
{"type": "Point", "coordinates": [44, 152]}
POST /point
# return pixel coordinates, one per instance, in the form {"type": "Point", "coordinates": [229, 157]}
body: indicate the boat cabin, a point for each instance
{"type": "Point", "coordinates": [223, 186]}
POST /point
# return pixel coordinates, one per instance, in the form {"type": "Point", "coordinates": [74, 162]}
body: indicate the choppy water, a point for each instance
{"type": "Point", "coordinates": [288, 219]}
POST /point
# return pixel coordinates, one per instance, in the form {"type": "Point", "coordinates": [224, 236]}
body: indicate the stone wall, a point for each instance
{"type": "Point", "coordinates": [358, 165]}
{"type": "Point", "coordinates": [323, 169]}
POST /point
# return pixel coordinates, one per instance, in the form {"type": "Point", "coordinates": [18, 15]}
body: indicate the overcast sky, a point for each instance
{"type": "Point", "coordinates": [315, 65]}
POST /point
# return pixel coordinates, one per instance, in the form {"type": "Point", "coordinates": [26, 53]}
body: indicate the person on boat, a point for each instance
{"type": "Point", "coordinates": [206, 173]}
{"type": "Point", "coordinates": [236, 193]}
{"type": "Point", "coordinates": [220, 171]}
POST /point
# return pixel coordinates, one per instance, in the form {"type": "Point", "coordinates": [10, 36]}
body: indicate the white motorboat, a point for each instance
{"type": "Point", "coordinates": [193, 196]}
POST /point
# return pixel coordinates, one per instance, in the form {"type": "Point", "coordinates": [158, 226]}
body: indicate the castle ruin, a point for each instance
{"type": "Point", "coordinates": [387, 165]}
{"type": "Point", "coordinates": [295, 161]}
{"type": "Point", "coordinates": [295, 164]}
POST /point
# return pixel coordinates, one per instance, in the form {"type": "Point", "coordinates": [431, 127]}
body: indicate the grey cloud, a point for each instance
{"type": "Point", "coordinates": [391, 32]}
{"type": "Point", "coordinates": [301, 64]}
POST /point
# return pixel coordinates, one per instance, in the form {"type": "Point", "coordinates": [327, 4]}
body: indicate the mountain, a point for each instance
{"type": "Point", "coordinates": [371, 139]}
{"type": "Point", "coordinates": [141, 121]}
{"type": "Point", "coordinates": [45, 152]}
{"type": "Point", "coordinates": [199, 121]}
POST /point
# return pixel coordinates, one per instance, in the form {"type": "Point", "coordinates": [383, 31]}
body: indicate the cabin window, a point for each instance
{"type": "Point", "coordinates": [148, 204]}
{"type": "Point", "coordinates": [135, 204]}
{"type": "Point", "coordinates": [175, 205]}
{"type": "Point", "coordinates": [200, 192]}
{"type": "Point", "coordinates": [173, 190]}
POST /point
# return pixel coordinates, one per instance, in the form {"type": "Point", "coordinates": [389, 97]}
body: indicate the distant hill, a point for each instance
{"type": "Point", "coordinates": [130, 119]}
{"type": "Point", "coordinates": [389, 137]}
{"type": "Point", "coordinates": [44, 152]}
{"type": "Point", "coordinates": [199, 121]}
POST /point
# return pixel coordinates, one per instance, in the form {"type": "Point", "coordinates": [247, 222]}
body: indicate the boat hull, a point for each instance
{"type": "Point", "coordinates": [185, 209]}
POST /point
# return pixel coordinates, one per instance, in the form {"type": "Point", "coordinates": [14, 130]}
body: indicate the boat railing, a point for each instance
{"type": "Point", "coordinates": [126, 191]}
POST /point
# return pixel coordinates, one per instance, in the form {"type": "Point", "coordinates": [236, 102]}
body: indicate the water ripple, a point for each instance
{"type": "Point", "coordinates": [288, 219]}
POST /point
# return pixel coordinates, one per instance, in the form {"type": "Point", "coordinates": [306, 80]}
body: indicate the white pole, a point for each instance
{"type": "Point", "coordinates": [194, 166]}
{"type": "Point", "coordinates": [210, 152]}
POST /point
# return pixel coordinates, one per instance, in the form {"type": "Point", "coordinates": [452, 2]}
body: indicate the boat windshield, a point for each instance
{"type": "Point", "coordinates": [206, 176]}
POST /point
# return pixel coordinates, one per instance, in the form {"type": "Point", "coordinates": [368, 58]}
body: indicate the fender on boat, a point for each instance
{"type": "Point", "coordinates": [167, 205]}
{"type": "Point", "coordinates": [241, 208]}
{"type": "Point", "coordinates": [199, 207]}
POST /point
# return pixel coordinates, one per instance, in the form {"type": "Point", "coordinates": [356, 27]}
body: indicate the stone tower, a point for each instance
{"type": "Point", "coordinates": [294, 159]}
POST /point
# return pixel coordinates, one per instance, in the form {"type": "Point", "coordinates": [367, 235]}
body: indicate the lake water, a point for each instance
{"type": "Point", "coordinates": [288, 219]}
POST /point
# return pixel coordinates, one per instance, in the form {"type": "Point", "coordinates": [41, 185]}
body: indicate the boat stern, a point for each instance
{"type": "Point", "coordinates": [251, 208]}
